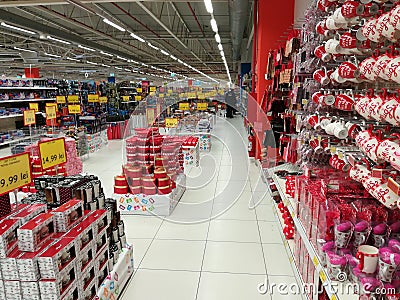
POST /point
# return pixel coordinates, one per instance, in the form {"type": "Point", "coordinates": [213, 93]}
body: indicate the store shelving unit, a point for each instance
{"type": "Point", "coordinates": [26, 100]}
{"type": "Point", "coordinates": [33, 88]}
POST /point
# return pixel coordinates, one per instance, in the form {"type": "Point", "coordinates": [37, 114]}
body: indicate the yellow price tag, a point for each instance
{"type": "Point", "coordinates": [168, 94]}
{"type": "Point", "coordinates": [150, 114]}
{"type": "Point", "coordinates": [184, 106]}
{"type": "Point", "coordinates": [201, 96]}
{"type": "Point", "coordinates": [213, 94]}
{"type": "Point", "coordinates": [170, 91]}
{"type": "Point", "coordinates": [207, 95]}
{"type": "Point", "coordinates": [304, 101]}
{"type": "Point", "coordinates": [340, 155]}
{"type": "Point", "coordinates": [125, 98]}
{"type": "Point", "coordinates": [221, 92]}
{"type": "Point", "coordinates": [15, 172]}
{"type": "Point", "coordinates": [29, 117]}
{"type": "Point", "coordinates": [191, 95]}
{"type": "Point", "coordinates": [51, 112]}
{"type": "Point", "coordinates": [52, 153]}
{"type": "Point", "coordinates": [202, 106]}
{"type": "Point", "coordinates": [171, 122]}
{"type": "Point", "coordinates": [138, 98]}
{"type": "Point", "coordinates": [322, 276]}
{"type": "Point", "coordinates": [93, 98]}
{"type": "Point", "coordinates": [333, 297]}
{"type": "Point", "coordinates": [139, 90]}
{"type": "Point", "coordinates": [152, 93]}
{"type": "Point", "coordinates": [73, 99]}
{"type": "Point", "coordinates": [333, 149]}
{"type": "Point", "coordinates": [315, 261]}
{"type": "Point", "coordinates": [153, 89]}
{"type": "Point", "coordinates": [61, 99]}
{"type": "Point", "coordinates": [161, 95]}
{"type": "Point", "coordinates": [52, 104]}
{"type": "Point", "coordinates": [103, 99]}
{"type": "Point", "coordinates": [34, 106]}
{"type": "Point", "coordinates": [74, 109]}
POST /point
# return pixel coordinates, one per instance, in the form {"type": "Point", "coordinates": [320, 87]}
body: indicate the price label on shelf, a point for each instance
{"type": "Point", "coordinates": [202, 106]}
{"type": "Point", "coordinates": [103, 99]}
{"type": "Point", "coordinates": [52, 153]}
{"type": "Point", "coordinates": [191, 95]}
{"type": "Point", "coordinates": [304, 101]}
{"type": "Point", "coordinates": [34, 106]}
{"type": "Point", "coordinates": [29, 117]}
{"type": "Point", "coordinates": [171, 122]}
{"type": "Point", "coordinates": [73, 99]}
{"type": "Point", "coordinates": [138, 98]}
{"type": "Point", "coordinates": [315, 261]}
{"type": "Point", "coordinates": [93, 98]}
{"type": "Point", "coordinates": [184, 106]}
{"type": "Point", "coordinates": [161, 95]}
{"type": "Point", "coordinates": [125, 98]}
{"type": "Point", "coordinates": [201, 96]}
{"type": "Point", "coordinates": [170, 91]}
{"type": "Point", "coordinates": [213, 93]}
{"type": "Point", "coordinates": [74, 109]}
{"type": "Point", "coordinates": [15, 172]}
{"type": "Point", "coordinates": [61, 99]}
{"type": "Point", "coordinates": [51, 112]}
{"type": "Point", "coordinates": [139, 90]}
{"type": "Point", "coordinates": [221, 92]}
{"type": "Point", "coordinates": [153, 89]}
{"type": "Point", "coordinates": [322, 276]}
{"type": "Point", "coordinates": [52, 104]}
{"type": "Point", "coordinates": [152, 93]}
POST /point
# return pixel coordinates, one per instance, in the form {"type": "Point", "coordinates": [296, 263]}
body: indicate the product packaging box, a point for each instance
{"type": "Point", "coordinates": [85, 258]}
{"type": "Point", "coordinates": [30, 290]}
{"type": "Point", "coordinates": [2, 291]}
{"type": "Point", "coordinates": [12, 289]}
{"type": "Point", "coordinates": [99, 220]}
{"type": "Point", "coordinates": [102, 258]}
{"type": "Point", "coordinates": [83, 234]}
{"type": "Point", "coordinates": [68, 215]}
{"type": "Point", "coordinates": [8, 236]}
{"type": "Point", "coordinates": [9, 265]}
{"type": "Point", "coordinates": [29, 213]}
{"type": "Point", "coordinates": [33, 234]}
{"type": "Point", "coordinates": [101, 241]}
{"type": "Point", "coordinates": [89, 292]}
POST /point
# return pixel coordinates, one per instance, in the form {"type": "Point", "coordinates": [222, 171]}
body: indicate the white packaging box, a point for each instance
{"type": "Point", "coordinates": [102, 258]}
{"type": "Point", "coordinates": [89, 292]}
{"type": "Point", "coordinates": [101, 241]}
{"type": "Point", "coordinates": [8, 236]}
{"type": "Point", "coordinates": [12, 289]}
{"type": "Point", "coordinates": [29, 213]}
{"type": "Point", "coordinates": [30, 290]}
{"type": "Point", "coordinates": [72, 293]}
{"type": "Point", "coordinates": [9, 265]}
{"type": "Point", "coordinates": [82, 233]}
{"type": "Point", "coordinates": [85, 258]}
{"type": "Point", "coordinates": [99, 220]}
{"type": "Point", "coordinates": [68, 215]}
{"type": "Point", "coordinates": [2, 291]}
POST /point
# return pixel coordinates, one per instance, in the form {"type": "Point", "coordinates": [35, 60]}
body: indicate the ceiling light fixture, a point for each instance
{"type": "Point", "coordinates": [164, 52]}
{"type": "Point", "coordinates": [105, 53]}
{"type": "Point", "coordinates": [123, 58]}
{"type": "Point", "coordinates": [107, 21]}
{"type": "Point", "coordinates": [218, 38]}
{"type": "Point", "coordinates": [214, 25]}
{"type": "Point", "coordinates": [104, 65]}
{"type": "Point", "coordinates": [152, 46]}
{"type": "Point", "coordinates": [137, 37]}
{"type": "Point", "coordinates": [91, 63]}
{"type": "Point", "coordinates": [222, 53]}
{"type": "Point", "coordinates": [26, 50]}
{"type": "Point", "coordinates": [17, 28]}
{"type": "Point", "coordinates": [52, 55]}
{"type": "Point", "coordinates": [86, 48]}
{"type": "Point", "coordinates": [209, 6]}
{"type": "Point", "coordinates": [220, 48]}
{"type": "Point", "coordinates": [128, 70]}
{"type": "Point", "coordinates": [74, 59]}
{"type": "Point", "coordinates": [173, 57]}
{"type": "Point", "coordinates": [58, 40]}
{"type": "Point", "coordinates": [118, 68]}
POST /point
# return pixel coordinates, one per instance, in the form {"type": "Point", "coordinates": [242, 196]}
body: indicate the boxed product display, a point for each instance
{"type": "Point", "coordinates": [8, 236]}
{"type": "Point", "coordinates": [67, 215]}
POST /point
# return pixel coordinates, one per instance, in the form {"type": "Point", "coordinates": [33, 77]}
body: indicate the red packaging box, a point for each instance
{"type": "Point", "coordinates": [33, 234]}
{"type": "Point", "coordinates": [102, 273]}
{"type": "Point", "coordinates": [27, 263]}
{"type": "Point", "coordinates": [83, 234]}
{"type": "Point", "coordinates": [57, 257]}
{"type": "Point", "coordinates": [68, 215]}
{"type": "Point", "coordinates": [99, 220]}
{"type": "Point", "coordinates": [101, 241]}
{"type": "Point", "coordinates": [29, 213]}
{"type": "Point", "coordinates": [102, 258]}
{"type": "Point", "coordinates": [90, 291]}
{"type": "Point", "coordinates": [72, 293]}
{"type": "Point", "coordinates": [85, 258]}
{"type": "Point", "coordinates": [8, 236]}
{"type": "Point", "coordinates": [87, 278]}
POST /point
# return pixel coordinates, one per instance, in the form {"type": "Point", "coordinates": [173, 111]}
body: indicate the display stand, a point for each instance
{"type": "Point", "coordinates": [191, 156]}
{"type": "Point", "coordinates": [116, 280]}
{"type": "Point", "coordinates": [97, 140]}
{"type": "Point", "coordinates": [161, 205]}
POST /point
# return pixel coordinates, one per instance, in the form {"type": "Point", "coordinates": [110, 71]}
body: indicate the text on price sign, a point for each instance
{"type": "Point", "coordinates": [171, 122]}
{"type": "Point", "coordinates": [52, 153]}
{"type": "Point", "coordinates": [15, 172]}
{"type": "Point", "coordinates": [29, 117]}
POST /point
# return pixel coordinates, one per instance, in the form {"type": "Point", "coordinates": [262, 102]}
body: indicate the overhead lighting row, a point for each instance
{"type": "Point", "coordinates": [214, 26]}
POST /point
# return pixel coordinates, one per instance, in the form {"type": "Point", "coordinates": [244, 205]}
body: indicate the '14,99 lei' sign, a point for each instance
{"type": "Point", "coordinates": [52, 153]}
{"type": "Point", "coordinates": [15, 172]}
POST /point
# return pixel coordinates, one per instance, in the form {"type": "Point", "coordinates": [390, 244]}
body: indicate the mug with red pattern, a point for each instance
{"type": "Point", "coordinates": [321, 76]}
{"type": "Point", "coordinates": [348, 40]}
{"type": "Point", "coordinates": [321, 53]}
{"type": "Point", "coordinates": [352, 9]}
{"type": "Point", "coordinates": [344, 102]}
{"type": "Point", "coordinates": [349, 70]}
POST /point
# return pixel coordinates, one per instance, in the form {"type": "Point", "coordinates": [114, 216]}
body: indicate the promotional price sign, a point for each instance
{"type": "Point", "coordinates": [73, 99]}
{"type": "Point", "coordinates": [52, 104]}
{"type": "Point", "coordinates": [161, 95]}
{"type": "Point", "coordinates": [138, 98]}
{"type": "Point", "coordinates": [103, 99]}
{"type": "Point", "coordinates": [29, 117]}
{"type": "Point", "coordinates": [93, 98]}
{"type": "Point", "coordinates": [125, 98]}
{"type": "Point", "coordinates": [221, 92]}
{"type": "Point", "coordinates": [52, 153]}
{"type": "Point", "coordinates": [201, 96]}
{"type": "Point", "coordinates": [153, 89]}
{"type": "Point", "coordinates": [184, 106]}
{"type": "Point", "coordinates": [191, 95]}
{"type": "Point", "coordinates": [150, 114]}
{"type": "Point", "coordinates": [34, 106]}
{"type": "Point", "coordinates": [15, 172]}
{"type": "Point", "coordinates": [74, 109]}
{"type": "Point", "coordinates": [202, 106]}
{"type": "Point", "coordinates": [139, 90]}
{"type": "Point", "coordinates": [171, 122]}
{"type": "Point", "coordinates": [51, 112]}
{"type": "Point", "coordinates": [61, 99]}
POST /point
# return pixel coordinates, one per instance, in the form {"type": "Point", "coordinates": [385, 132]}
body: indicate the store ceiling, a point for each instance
{"type": "Point", "coordinates": [181, 28]}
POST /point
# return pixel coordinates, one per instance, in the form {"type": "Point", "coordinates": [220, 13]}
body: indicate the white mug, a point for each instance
{"type": "Point", "coordinates": [332, 46]}
{"type": "Point", "coordinates": [368, 258]}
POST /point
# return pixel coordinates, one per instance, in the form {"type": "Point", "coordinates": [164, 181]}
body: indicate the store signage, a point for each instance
{"type": "Point", "coordinates": [170, 91]}
{"type": "Point", "coordinates": [34, 106]}
{"type": "Point", "coordinates": [103, 99]}
{"type": "Point", "coordinates": [191, 95]}
{"type": "Point", "coordinates": [73, 99]}
{"type": "Point", "coordinates": [221, 92]}
{"type": "Point", "coordinates": [184, 106]}
{"type": "Point", "coordinates": [52, 153]}
{"type": "Point", "coordinates": [61, 99]}
{"type": "Point", "coordinates": [201, 96]}
{"type": "Point", "coordinates": [153, 89]}
{"type": "Point", "coordinates": [125, 98]}
{"type": "Point", "coordinates": [202, 106]}
{"type": "Point", "coordinates": [93, 98]}
{"type": "Point", "coordinates": [161, 95]}
{"type": "Point", "coordinates": [138, 98]}
{"type": "Point", "coordinates": [15, 172]}
{"type": "Point", "coordinates": [139, 90]}
{"type": "Point", "coordinates": [150, 114]}
{"type": "Point", "coordinates": [51, 112]}
{"type": "Point", "coordinates": [29, 117]}
{"type": "Point", "coordinates": [74, 109]}
{"type": "Point", "coordinates": [52, 104]}
{"type": "Point", "coordinates": [171, 122]}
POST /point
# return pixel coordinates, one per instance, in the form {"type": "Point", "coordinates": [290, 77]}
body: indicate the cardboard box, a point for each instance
{"type": "Point", "coordinates": [30, 290]}
{"type": "Point", "coordinates": [89, 292]}
{"type": "Point", "coordinates": [101, 241]}
{"type": "Point", "coordinates": [8, 236]}
{"type": "Point", "coordinates": [33, 234]}
{"type": "Point", "coordinates": [68, 215]}
{"type": "Point", "coordinates": [85, 258]}
{"type": "Point", "coordinates": [29, 213]}
{"type": "Point", "coordinates": [12, 289]}
{"type": "Point", "coordinates": [9, 265]}
{"type": "Point", "coordinates": [99, 220]}
{"type": "Point", "coordinates": [83, 233]}
{"type": "Point", "coordinates": [102, 258]}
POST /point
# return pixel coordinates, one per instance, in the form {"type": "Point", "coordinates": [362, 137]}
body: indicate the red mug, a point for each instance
{"type": "Point", "coordinates": [313, 121]}
{"type": "Point", "coordinates": [321, 76]}
{"type": "Point", "coordinates": [344, 102]}
{"type": "Point", "coordinates": [370, 9]}
{"type": "Point", "coordinates": [316, 97]}
{"type": "Point", "coordinates": [321, 53]}
{"type": "Point", "coordinates": [347, 40]}
{"type": "Point", "coordinates": [348, 70]}
{"type": "Point", "coordinates": [352, 9]}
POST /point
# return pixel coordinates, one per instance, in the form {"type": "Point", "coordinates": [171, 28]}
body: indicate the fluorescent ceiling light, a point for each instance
{"type": "Point", "coordinates": [152, 46]}
{"type": "Point", "coordinates": [74, 59]}
{"type": "Point", "coordinates": [128, 70]}
{"type": "Point", "coordinates": [137, 37]}
{"type": "Point", "coordinates": [104, 65]}
{"type": "Point", "coordinates": [17, 28]}
{"type": "Point", "coordinates": [91, 63]}
{"type": "Point", "coordinates": [209, 6]}
{"type": "Point", "coordinates": [123, 58]}
{"type": "Point", "coordinates": [173, 57]}
{"type": "Point", "coordinates": [86, 48]}
{"type": "Point", "coordinates": [222, 53]}
{"type": "Point", "coordinates": [118, 68]}
{"type": "Point", "coordinates": [164, 52]}
{"type": "Point", "coordinates": [58, 40]}
{"type": "Point", "coordinates": [52, 55]}
{"type": "Point", "coordinates": [220, 48]}
{"type": "Point", "coordinates": [105, 53]}
{"type": "Point", "coordinates": [107, 21]}
{"type": "Point", "coordinates": [135, 71]}
{"type": "Point", "coordinates": [26, 50]}
{"type": "Point", "coordinates": [218, 38]}
{"type": "Point", "coordinates": [153, 67]}
{"type": "Point", "coordinates": [144, 65]}
{"type": "Point", "coordinates": [179, 61]}
{"type": "Point", "coordinates": [214, 25]}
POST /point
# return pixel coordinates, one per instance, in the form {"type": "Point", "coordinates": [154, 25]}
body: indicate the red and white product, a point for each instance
{"type": "Point", "coordinates": [68, 215]}
{"type": "Point", "coordinates": [102, 272]}
{"type": "Point", "coordinates": [35, 232]}
{"type": "Point", "coordinates": [85, 258]}
{"type": "Point", "coordinates": [29, 213]}
{"type": "Point", "coordinates": [72, 293]}
{"type": "Point", "coordinates": [89, 292]}
{"type": "Point", "coordinates": [56, 258]}
{"type": "Point", "coordinates": [83, 234]}
{"type": "Point", "coordinates": [8, 236]}
{"type": "Point", "coordinates": [87, 278]}
{"type": "Point", "coordinates": [101, 241]}
{"type": "Point", "coordinates": [30, 290]}
{"type": "Point", "coordinates": [27, 263]}
{"type": "Point", "coordinates": [99, 220]}
{"type": "Point", "coordinates": [12, 289]}
{"type": "Point", "coordinates": [9, 265]}
{"type": "Point", "coordinates": [2, 291]}
{"type": "Point", "coordinates": [101, 258]}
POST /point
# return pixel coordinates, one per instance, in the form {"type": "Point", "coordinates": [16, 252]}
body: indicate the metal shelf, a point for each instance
{"type": "Point", "coordinates": [19, 140]}
{"type": "Point", "coordinates": [26, 100]}
{"type": "Point", "coordinates": [34, 88]}
{"type": "Point", "coordinates": [11, 116]}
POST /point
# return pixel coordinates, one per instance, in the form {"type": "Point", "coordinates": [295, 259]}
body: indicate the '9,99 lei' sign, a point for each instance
{"type": "Point", "coordinates": [52, 153]}
{"type": "Point", "coordinates": [15, 172]}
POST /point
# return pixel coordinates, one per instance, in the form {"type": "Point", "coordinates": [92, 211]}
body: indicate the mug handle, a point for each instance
{"type": "Point", "coordinates": [360, 257]}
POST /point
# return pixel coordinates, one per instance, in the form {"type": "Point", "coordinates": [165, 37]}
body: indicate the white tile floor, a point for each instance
{"type": "Point", "coordinates": [213, 246]}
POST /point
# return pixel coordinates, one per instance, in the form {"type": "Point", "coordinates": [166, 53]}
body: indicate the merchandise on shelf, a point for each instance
{"type": "Point", "coordinates": [97, 141]}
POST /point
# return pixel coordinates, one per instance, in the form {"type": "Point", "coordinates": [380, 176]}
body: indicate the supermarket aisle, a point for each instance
{"type": "Point", "coordinates": [213, 246]}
